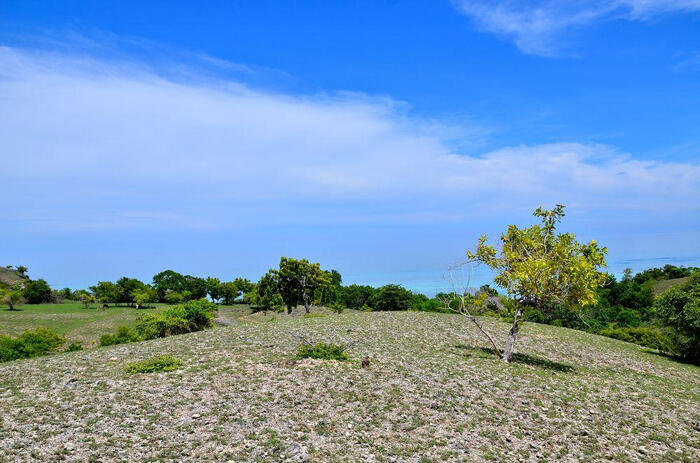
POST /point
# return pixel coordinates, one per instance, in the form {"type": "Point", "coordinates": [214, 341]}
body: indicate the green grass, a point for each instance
{"type": "Point", "coordinates": [661, 287]}
{"type": "Point", "coordinates": [80, 324]}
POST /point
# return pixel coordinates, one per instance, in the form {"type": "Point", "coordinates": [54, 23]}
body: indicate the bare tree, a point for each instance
{"type": "Point", "coordinates": [462, 299]}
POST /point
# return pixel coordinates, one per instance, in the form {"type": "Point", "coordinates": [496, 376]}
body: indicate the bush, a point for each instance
{"type": "Point", "coordinates": [74, 347]}
{"type": "Point", "coordinates": [392, 297]}
{"type": "Point", "coordinates": [41, 341]}
{"type": "Point", "coordinates": [184, 318]}
{"type": "Point", "coordinates": [679, 308]}
{"type": "Point", "coordinates": [644, 336]}
{"type": "Point", "coordinates": [124, 335]}
{"type": "Point", "coordinates": [37, 292]}
{"type": "Point", "coordinates": [322, 351]}
{"type": "Point", "coordinates": [154, 365]}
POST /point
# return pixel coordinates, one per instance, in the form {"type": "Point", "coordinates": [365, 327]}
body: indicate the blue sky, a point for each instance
{"type": "Point", "coordinates": [379, 138]}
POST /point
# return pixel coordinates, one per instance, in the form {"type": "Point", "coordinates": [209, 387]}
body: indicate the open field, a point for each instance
{"type": "Point", "coordinates": [430, 394]}
{"type": "Point", "coordinates": [78, 323]}
{"type": "Point", "coordinates": [661, 287]}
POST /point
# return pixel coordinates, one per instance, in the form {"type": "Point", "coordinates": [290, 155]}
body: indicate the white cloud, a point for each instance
{"type": "Point", "coordinates": [88, 141]}
{"type": "Point", "coordinates": [540, 27]}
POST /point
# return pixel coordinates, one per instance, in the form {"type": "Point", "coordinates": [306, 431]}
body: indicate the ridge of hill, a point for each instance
{"type": "Point", "coordinates": [431, 393]}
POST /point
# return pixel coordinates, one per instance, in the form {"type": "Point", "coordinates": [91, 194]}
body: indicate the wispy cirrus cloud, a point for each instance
{"type": "Point", "coordinates": [541, 27]}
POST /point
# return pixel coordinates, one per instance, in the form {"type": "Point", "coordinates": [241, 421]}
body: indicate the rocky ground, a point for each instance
{"type": "Point", "coordinates": [430, 394]}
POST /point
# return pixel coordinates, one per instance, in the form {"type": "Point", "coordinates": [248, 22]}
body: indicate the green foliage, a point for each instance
{"type": "Point", "coordinates": [391, 297]}
{"type": "Point", "coordinates": [144, 296]}
{"type": "Point", "coordinates": [265, 295]}
{"type": "Point", "coordinates": [679, 308]}
{"type": "Point", "coordinates": [321, 350]}
{"type": "Point", "coordinates": [644, 336]}
{"type": "Point", "coordinates": [336, 307]}
{"type": "Point", "coordinates": [172, 297]}
{"type": "Point", "coordinates": [356, 296]}
{"type": "Point", "coordinates": [37, 292]}
{"type": "Point", "coordinates": [195, 288]}
{"type": "Point", "coordinates": [11, 297]}
{"type": "Point", "coordinates": [184, 318]}
{"type": "Point", "coordinates": [299, 280]}
{"type": "Point", "coordinates": [105, 292]}
{"type": "Point", "coordinates": [168, 281]}
{"type": "Point", "coordinates": [155, 365]}
{"type": "Point", "coordinates": [41, 341]}
{"type": "Point", "coordinates": [127, 288]}
{"type": "Point", "coordinates": [123, 335]}
{"type": "Point", "coordinates": [74, 347]}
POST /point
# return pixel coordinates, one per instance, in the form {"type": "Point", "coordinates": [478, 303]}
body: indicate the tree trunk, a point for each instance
{"type": "Point", "coordinates": [510, 343]}
{"type": "Point", "coordinates": [305, 299]}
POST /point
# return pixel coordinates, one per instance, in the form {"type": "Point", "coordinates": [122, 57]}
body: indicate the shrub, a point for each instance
{"type": "Point", "coordinates": [124, 335]}
{"type": "Point", "coordinates": [41, 341]}
{"type": "Point", "coordinates": [679, 308]}
{"type": "Point", "coordinates": [336, 307]}
{"type": "Point", "coordinates": [644, 336]}
{"type": "Point", "coordinates": [74, 347]}
{"type": "Point", "coordinates": [392, 297]}
{"type": "Point", "coordinates": [154, 365]}
{"type": "Point", "coordinates": [322, 351]}
{"type": "Point", "coordinates": [180, 319]}
{"type": "Point", "coordinates": [37, 292]}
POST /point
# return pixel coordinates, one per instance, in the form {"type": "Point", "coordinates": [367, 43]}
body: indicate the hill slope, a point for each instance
{"type": "Point", "coordinates": [661, 287]}
{"type": "Point", "coordinates": [430, 394]}
{"type": "Point", "coordinates": [9, 277]}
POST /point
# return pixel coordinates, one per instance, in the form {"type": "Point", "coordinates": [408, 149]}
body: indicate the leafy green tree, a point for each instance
{"type": "Point", "coordinates": [144, 296]}
{"type": "Point", "coordinates": [299, 280]}
{"type": "Point", "coordinates": [244, 286]}
{"type": "Point", "coordinates": [168, 280]}
{"type": "Point", "coordinates": [356, 296]}
{"type": "Point", "coordinates": [228, 292]}
{"type": "Point", "coordinates": [65, 293]}
{"type": "Point", "coordinates": [541, 269]}
{"type": "Point", "coordinates": [173, 297]}
{"type": "Point", "coordinates": [22, 271]}
{"type": "Point", "coordinates": [392, 297]}
{"type": "Point", "coordinates": [37, 292]}
{"type": "Point", "coordinates": [331, 292]}
{"type": "Point", "coordinates": [265, 294]}
{"type": "Point", "coordinates": [679, 308]}
{"type": "Point", "coordinates": [11, 297]}
{"type": "Point", "coordinates": [87, 299]}
{"type": "Point", "coordinates": [195, 288]}
{"type": "Point", "coordinates": [214, 289]}
{"type": "Point", "coordinates": [126, 289]}
{"type": "Point", "coordinates": [105, 292]}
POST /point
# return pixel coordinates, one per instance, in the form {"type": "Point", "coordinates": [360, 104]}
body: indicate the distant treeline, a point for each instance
{"type": "Point", "coordinates": [626, 309]}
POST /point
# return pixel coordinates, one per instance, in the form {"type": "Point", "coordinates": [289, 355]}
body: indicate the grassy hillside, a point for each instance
{"type": "Point", "coordinates": [8, 277]}
{"type": "Point", "coordinates": [76, 322]}
{"type": "Point", "coordinates": [430, 394]}
{"type": "Point", "coordinates": [661, 286]}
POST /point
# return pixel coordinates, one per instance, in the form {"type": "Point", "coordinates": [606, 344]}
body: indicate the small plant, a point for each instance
{"type": "Point", "coordinates": [323, 351]}
{"type": "Point", "coordinates": [74, 347]}
{"type": "Point", "coordinates": [155, 365]}
{"type": "Point", "coordinates": [41, 341]}
{"type": "Point", "coordinates": [336, 307]}
{"type": "Point", "coordinates": [124, 335]}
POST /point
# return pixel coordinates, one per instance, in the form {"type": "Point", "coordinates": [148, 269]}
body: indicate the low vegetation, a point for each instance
{"type": "Point", "coordinates": [322, 351]}
{"type": "Point", "coordinates": [155, 365]}
{"type": "Point", "coordinates": [40, 341]}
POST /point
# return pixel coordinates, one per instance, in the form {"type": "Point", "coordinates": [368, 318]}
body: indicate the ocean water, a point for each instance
{"type": "Point", "coordinates": [432, 281]}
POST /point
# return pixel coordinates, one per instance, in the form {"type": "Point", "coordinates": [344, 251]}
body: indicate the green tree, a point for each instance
{"type": "Point", "coordinates": [214, 289]}
{"type": "Point", "coordinates": [37, 292]}
{"type": "Point", "coordinates": [196, 288]}
{"type": "Point", "coordinates": [11, 297]}
{"type": "Point", "coordinates": [299, 280]}
{"type": "Point", "coordinates": [144, 296]}
{"type": "Point", "coordinates": [392, 297]}
{"type": "Point", "coordinates": [22, 271]}
{"type": "Point", "coordinates": [265, 294]}
{"type": "Point", "coordinates": [356, 296]}
{"type": "Point", "coordinates": [679, 308]}
{"type": "Point", "coordinates": [541, 269]}
{"type": "Point", "coordinates": [126, 289]}
{"type": "Point", "coordinates": [168, 280]}
{"type": "Point", "coordinates": [105, 291]}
